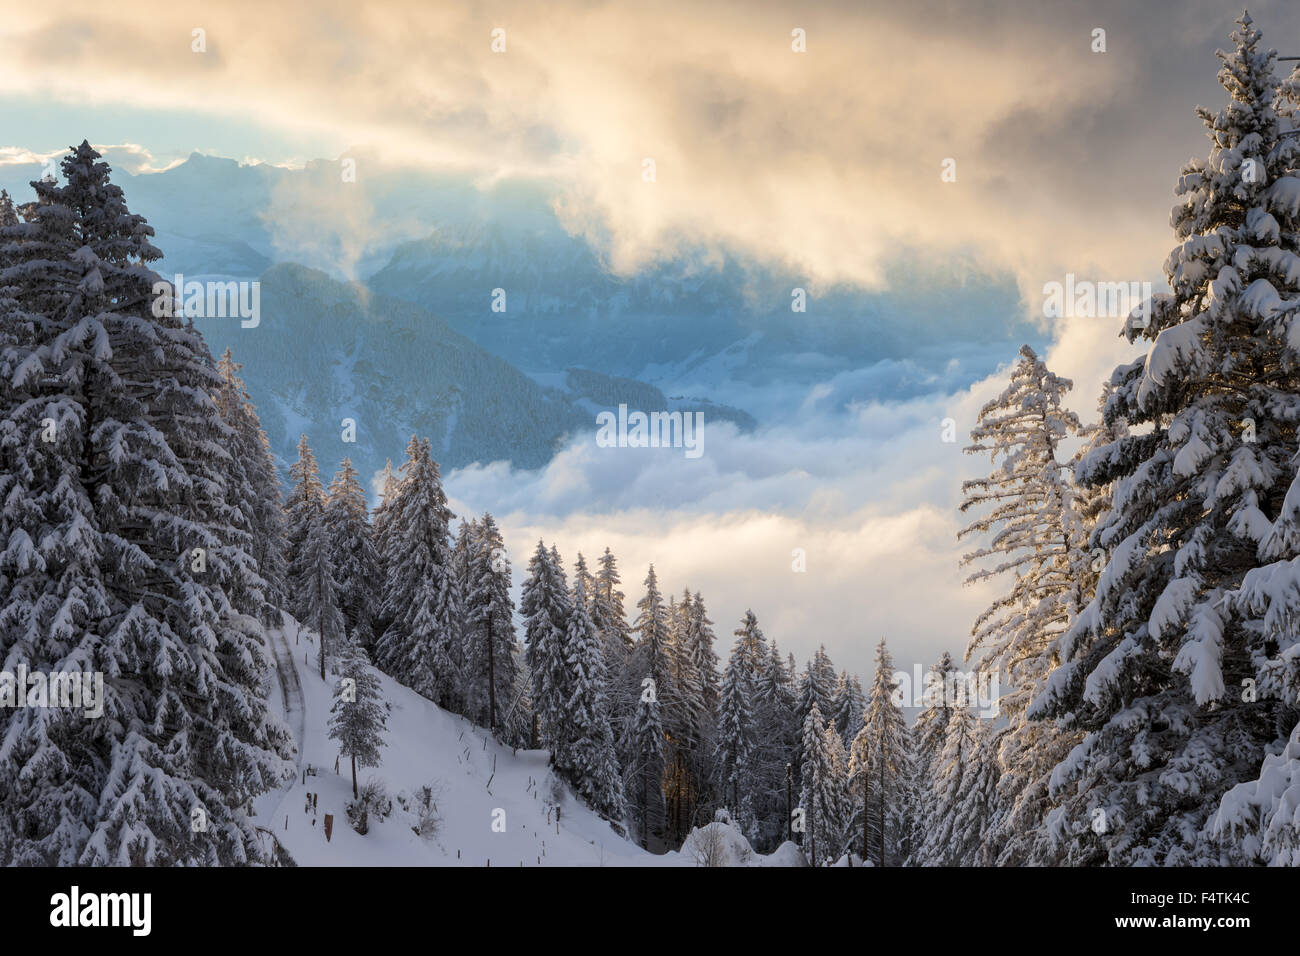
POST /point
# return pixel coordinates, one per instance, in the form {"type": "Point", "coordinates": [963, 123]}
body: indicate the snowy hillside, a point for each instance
{"type": "Point", "coordinates": [474, 777]}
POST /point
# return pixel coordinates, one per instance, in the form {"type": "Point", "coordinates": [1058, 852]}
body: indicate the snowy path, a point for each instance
{"type": "Point", "coordinates": [295, 707]}
{"type": "Point", "coordinates": [294, 715]}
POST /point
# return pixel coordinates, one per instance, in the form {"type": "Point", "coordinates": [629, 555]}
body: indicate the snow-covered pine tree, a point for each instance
{"type": "Point", "coordinates": [776, 732]}
{"type": "Point", "coordinates": [1034, 537]}
{"type": "Point", "coordinates": [359, 715]}
{"type": "Point", "coordinates": [490, 652]}
{"type": "Point", "coordinates": [466, 532]}
{"type": "Point", "coordinates": [546, 608]}
{"type": "Point", "coordinates": [1156, 668]}
{"type": "Point", "coordinates": [816, 686]}
{"type": "Point", "coordinates": [582, 575]}
{"type": "Point", "coordinates": [821, 796]}
{"type": "Point", "coordinates": [685, 733]}
{"type": "Point", "coordinates": [705, 680]}
{"type": "Point", "coordinates": [303, 509]}
{"type": "Point", "coordinates": [352, 553]}
{"type": "Point", "coordinates": [608, 615]}
{"type": "Point", "coordinates": [8, 215]}
{"type": "Point", "coordinates": [313, 590]}
{"type": "Point", "coordinates": [653, 630]}
{"type": "Point", "coordinates": [259, 494]}
{"type": "Point", "coordinates": [643, 764]}
{"type": "Point", "coordinates": [1092, 501]}
{"type": "Point", "coordinates": [704, 658]}
{"type": "Point", "coordinates": [961, 773]}
{"type": "Point", "coordinates": [972, 810]}
{"type": "Point", "coordinates": [421, 599]}
{"type": "Point", "coordinates": [849, 702]}
{"type": "Point", "coordinates": [929, 732]}
{"type": "Point", "coordinates": [380, 536]}
{"type": "Point", "coordinates": [123, 554]}
{"type": "Point", "coordinates": [839, 824]}
{"type": "Point", "coordinates": [737, 737]}
{"type": "Point", "coordinates": [607, 611]}
{"type": "Point", "coordinates": [765, 801]}
{"type": "Point", "coordinates": [1258, 820]}
{"type": "Point", "coordinates": [883, 761]}
{"type": "Point", "coordinates": [591, 763]}
{"type": "Point", "coordinates": [318, 604]}
{"type": "Point", "coordinates": [650, 670]}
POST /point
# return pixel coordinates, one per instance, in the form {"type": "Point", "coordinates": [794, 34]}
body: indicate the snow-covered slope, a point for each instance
{"type": "Point", "coordinates": [477, 780]}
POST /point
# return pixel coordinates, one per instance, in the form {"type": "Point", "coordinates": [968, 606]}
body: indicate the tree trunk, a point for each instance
{"type": "Point", "coordinates": [354, 776]}
{"type": "Point", "coordinates": [492, 679]}
{"type": "Point", "coordinates": [866, 815]}
{"type": "Point", "coordinates": [645, 810]}
{"type": "Point", "coordinates": [882, 807]}
{"type": "Point", "coordinates": [812, 828]}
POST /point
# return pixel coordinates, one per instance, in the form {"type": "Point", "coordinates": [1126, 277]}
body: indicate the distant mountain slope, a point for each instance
{"type": "Point", "coordinates": [699, 311]}
{"type": "Point", "coordinates": [609, 391]}
{"type": "Point", "coordinates": [327, 350]}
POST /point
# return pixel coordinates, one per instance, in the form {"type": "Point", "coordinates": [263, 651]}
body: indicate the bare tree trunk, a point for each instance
{"type": "Point", "coordinates": [354, 776]}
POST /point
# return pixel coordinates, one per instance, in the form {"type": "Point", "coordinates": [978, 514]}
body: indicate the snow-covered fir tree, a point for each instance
{"type": "Point", "coordinates": [929, 733]}
{"type": "Point", "coordinates": [737, 737]}
{"type": "Point", "coordinates": [353, 557]}
{"type": "Point", "coordinates": [303, 508]}
{"type": "Point", "coordinates": [1168, 670]}
{"type": "Point", "coordinates": [610, 618]}
{"type": "Point", "coordinates": [317, 591]}
{"type": "Point", "coordinates": [491, 662]}
{"type": "Point", "coordinates": [840, 821]}
{"type": "Point", "coordinates": [546, 608]}
{"type": "Point", "coordinates": [1032, 536]}
{"type": "Point", "coordinates": [359, 715]}
{"type": "Point", "coordinates": [421, 599]}
{"type": "Point", "coordinates": [883, 767]}
{"type": "Point", "coordinates": [816, 686]}
{"type": "Point", "coordinates": [258, 494]}
{"type": "Point", "coordinates": [123, 554]}
{"type": "Point", "coordinates": [380, 535]}
{"type": "Point", "coordinates": [821, 796]}
{"type": "Point", "coordinates": [643, 764]}
{"type": "Point", "coordinates": [849, 702]}
{"type": "Point", "coordinates": [686, 732]}
{"type": "Point", "coordinates": [591, 763]}
{"type": "Point", "coordinates": [776, 731]}
{"type": "Point", "coordinates": [703, 657]}
{"type": "Point", "coordinates": [653, 630]}
{"type": "Point", "coordinates": [958, 772]}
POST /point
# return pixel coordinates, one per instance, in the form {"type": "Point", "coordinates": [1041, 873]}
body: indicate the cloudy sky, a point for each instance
{"type": "Point", "coordinates": [828, 161]}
